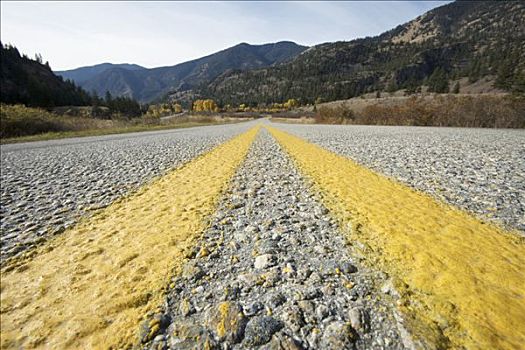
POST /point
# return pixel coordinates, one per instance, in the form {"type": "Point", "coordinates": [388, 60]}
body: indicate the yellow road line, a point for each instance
{"type": "Point", "coordinates": [90, 287]}
{"type": "Point", "coordinates": [462, 281]}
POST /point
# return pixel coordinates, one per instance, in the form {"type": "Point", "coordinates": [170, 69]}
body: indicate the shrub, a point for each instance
{"type": "Point", "coordinates": [335, 115]}
{"type": "Point", "coordinates": [19, 120]}
{"type": "Point", "coordinates": [443, 110]}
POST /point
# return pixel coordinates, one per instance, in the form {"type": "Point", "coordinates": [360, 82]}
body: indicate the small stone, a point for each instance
{"type": "Point", "coordinates": [192, 272]}
{"type": "Point", "coordinates": [315, 278]}
{"type": "Point", "coordinates": [190, 336]}
{"type": "Point", "coordinates": [198, 290]}
{"type": "Point", "coordinates": [253, 308]}
{"type": "Point", "coordinates": [260, 329]}
{"type": "Point", "coordinates": [247, 279]}
{"type": "Point", "coordinates": [232, 293]}
{"type": "Point", "coordinates": [388, 288]}
{"type": "Point", "coordinates": [185, 307]}
{"type": "Point", "coordinates": [314, 337]}
{"type": "Point", "coordinates": [329, 289]}
{"type": "Point", "coordinates": [294, 319]}
{"type": "Point", "coordinates": [337, 335]}
{"type": "Point", "coordinates": [320, 249]}
{"type": "Point", "coordinates": [288, 269]}
{"type": "Point", "coordinates": [276, 300]}
{"type": "Point", "coordinates": [264, 261]}
{"type": "Point", "coordinates": [322, 311]}
{"type": "Point", "coordinates": [282, 342]}
{"type": "Point", "coordinates": [203, 252]}
{"type": "Point", "coordinates": [227, 321]}
{"type": "Point", "coordinates": [306, 306]}
{"type": "Point", "coordinates": [271, 278]}
{"type": "Point", "coordinates": [159, 338]}
{"type": "Point", "coordinates": [250, 229]}
{"type": "Point", "coordinates": [234, 245]}
{"type": "Point", "coordinates": [359, 319]}
{"type": "Point", "coordinates": [388, 341]}
{"type": "Point", "coordinates": [347, 268]}
{"type": "Point", "coordinates": [312, 293]}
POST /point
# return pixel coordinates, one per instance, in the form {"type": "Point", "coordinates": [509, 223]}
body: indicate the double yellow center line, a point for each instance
{"type": "Point", "coordinates": [462, 281]}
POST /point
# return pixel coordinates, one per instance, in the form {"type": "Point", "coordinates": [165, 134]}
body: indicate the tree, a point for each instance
{"type": "Point", "coordinates": [205, 106]}
{"type": "Point", "coordinates": [455, 90]}
{"type": "Point", "coordinates": [505, 75]}
{"type": "Point", "coordinates": [438, 81]}
{"type": "Point", "coordinates": [291, 103]}
{"type": "Point", "coordinates": [108, 99]}
{"type": "Point", "coordinates": [474, 70]}
{"type": "Point", "coordinates": [38, 58]}
{"type": "Point", "coordinates": [392, 86]}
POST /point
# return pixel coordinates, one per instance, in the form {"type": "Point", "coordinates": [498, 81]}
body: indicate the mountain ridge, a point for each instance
{"type": "Point", "coordinates": [85, 73]}
{"type": "Point", "coordinates": [148, 84]}
{"type": "Point", "coordinates": [460, 39]}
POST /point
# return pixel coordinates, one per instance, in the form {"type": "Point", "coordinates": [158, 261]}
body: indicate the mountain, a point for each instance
{"type": "Point", "coordinates": [30, 82]}
{"type": "Point", "coordinates": [147, 85]}
{"type": "Point", "coordinates": [461, 39]}
{"type": "Point", "coordinates": [83, 74]}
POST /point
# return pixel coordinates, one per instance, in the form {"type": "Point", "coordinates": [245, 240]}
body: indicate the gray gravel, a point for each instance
{"type": "Point", "coordinates": [480, 170]}
{"type": "Point", "coordinates": [273, 272]}
{"type": "Point", "coordinates": [47, 186]}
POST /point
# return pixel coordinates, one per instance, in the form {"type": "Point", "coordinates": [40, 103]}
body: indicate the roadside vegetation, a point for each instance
{"type": "Point", "coordinates": [22, 124]}
{"type": "Point", "coordinates": [485, 111]}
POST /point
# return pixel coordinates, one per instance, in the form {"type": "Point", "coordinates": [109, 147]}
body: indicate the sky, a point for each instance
{"type": "Point", "coordinates": [152, 34]}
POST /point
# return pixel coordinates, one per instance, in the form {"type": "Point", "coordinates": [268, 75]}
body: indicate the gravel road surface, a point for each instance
{"type": "Point", "coordinates": [273, 269]}
{"type": "Point", "coordinates": [480, 170]}
{"type": "Point", "coordinates": [47, 186]}
{"type": "Point", "coordinates": [272, 273]}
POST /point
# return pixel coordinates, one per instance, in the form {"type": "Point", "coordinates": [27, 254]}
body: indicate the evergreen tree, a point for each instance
{"type": "Point", "coordinates": [505, 75]}
{"type": "Point", "coordinates": [438, 81]}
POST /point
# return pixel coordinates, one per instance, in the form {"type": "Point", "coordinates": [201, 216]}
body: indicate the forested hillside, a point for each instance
{"type": "Point", "coordinates": [31, 82]}
{"type": "Point", "coordinates": [461, 39]}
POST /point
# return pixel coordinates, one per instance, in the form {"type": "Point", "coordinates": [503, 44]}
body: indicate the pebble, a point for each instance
{"type": "Point", "coordinates": [337, 335]}
{"type": "Point", "coordinates": [264, 261]}
{"type": "Point", "coordinates": [260, 329]}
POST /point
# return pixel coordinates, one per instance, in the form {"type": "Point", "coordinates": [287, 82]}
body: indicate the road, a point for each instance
{"type": "Point", "coordinates": [48, 186]}
{"type": "Point", "coordinates": [265, 235]}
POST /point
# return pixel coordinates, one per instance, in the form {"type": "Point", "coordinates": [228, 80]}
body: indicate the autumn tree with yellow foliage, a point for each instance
{"type": "Point", "coordinates": [205, 106]}
{"type": "Point", "coordinates": [163, 109]}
